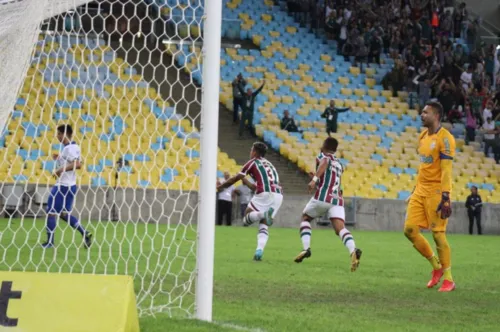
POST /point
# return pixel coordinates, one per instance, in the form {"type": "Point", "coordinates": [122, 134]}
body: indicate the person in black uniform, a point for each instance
{"type": "Point", "coordinates": [473, 205]}
{"type": "Point", "coordinates": [331, 114]}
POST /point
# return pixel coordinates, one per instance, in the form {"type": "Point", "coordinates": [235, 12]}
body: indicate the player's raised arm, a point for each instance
{"type": "Point", "coordinates": [232, 180]}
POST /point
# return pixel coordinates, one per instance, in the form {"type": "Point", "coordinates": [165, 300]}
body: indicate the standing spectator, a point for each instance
{"type": "Point", "coordinates": [245, 195]}
{"type": "Point", "coordinates": [466, 78]}
{"type": "Point", "coordinates": [487, 112]}
{"type": "Point", "coordinates": [470, 125]}
{"type": "Point", "coordinates": [248, 108]}
{"type": "Point", "coordinates": [376, 44]}
{"type": "Point", "coordinates": [489, 135]}
{"type": "Point", "coordinates": [238, 86]}
{"type": "Point", "coordinates": [455, 114]}
{"type": "Point", "coordinates": [225, 202]}
{"type": "Point", "coordinates": [331, 115]}
{"type": "Point", "coordinates": [288, 123]}
{"type": "Point", "coordinates": [473, 205]}
{"type": "Point", "coordinates": [424, 90]}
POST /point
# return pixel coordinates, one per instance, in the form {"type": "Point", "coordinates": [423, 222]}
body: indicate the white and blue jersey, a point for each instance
{"type": "Point", "coordinates": [63, 193]}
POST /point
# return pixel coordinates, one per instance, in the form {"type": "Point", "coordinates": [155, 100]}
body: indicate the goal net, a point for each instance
{"type": "Point", "coordinates": [113, 70]}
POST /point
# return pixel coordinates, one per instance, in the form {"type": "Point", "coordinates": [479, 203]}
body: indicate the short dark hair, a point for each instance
{"type": "Point", "coordinates": [65, 129]}
{"type": "Point", "coordinates": [260, 148]}
{"type": "Point", "coordinates": [331, 144]}
{"type": "Point", "coordinates": [438, 108]}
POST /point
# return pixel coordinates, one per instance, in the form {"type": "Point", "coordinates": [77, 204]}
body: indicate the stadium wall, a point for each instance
{"type": "Point", "coordinates": [388, 215]}
{"type": "Point", "coordinates": [170, 206]}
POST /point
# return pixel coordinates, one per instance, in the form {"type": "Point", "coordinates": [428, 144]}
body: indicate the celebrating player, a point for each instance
{"type": "Point", "coordinates": [429, 205]}
{"type": "Point", "coordinates": [63, 193]}
{"type": "Point", "coordinates": [327, 200]}
{"type": "Point", "coordinates": [268, 194]}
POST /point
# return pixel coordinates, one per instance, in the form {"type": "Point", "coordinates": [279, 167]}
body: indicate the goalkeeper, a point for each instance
{"type": "Point", "coordinates": [429, 205]}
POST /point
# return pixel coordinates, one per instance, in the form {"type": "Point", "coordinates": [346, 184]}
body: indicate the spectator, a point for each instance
{"type": "Point", "coordinates": [470, 125]}
{"type": "Point", "coordinates": [248, 108]}
{"type": "Point", "coordinates": [331, 115]}
{"type": "Point", "coordinates": [489, 135]}
{"type": "Point", "coordinates": [225, 203]}
{"type": "Point", "coordinates": [288, 123]}
{"type": "Point", "coordinates": [455, 114]}
{"type": "Point", "coordinates": [245, 195]}
{"type": "Point", "coordinates": [376, 45]}
{"type": "Point", "coordinates": [473, 205]}
{"type": "Point", "coordinates": [446, 93]}
{"type": "Point", "coordinates": [466, 78]}
{"type": "Point", "coordinates": [487, 112]}
{"type": "Point", "coordinates": [424, 90]}
{"type": "Point", "coordinates": [239, 84]}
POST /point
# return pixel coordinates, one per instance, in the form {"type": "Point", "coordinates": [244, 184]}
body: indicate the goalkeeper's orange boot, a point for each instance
{"type": "Point", "coordinates": [447, 286]}
{"type": "Point", "coordinates": [436, 277]}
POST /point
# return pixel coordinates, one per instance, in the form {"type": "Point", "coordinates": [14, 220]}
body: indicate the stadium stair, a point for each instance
{"type": "Point", "coordinates": [293, 179]}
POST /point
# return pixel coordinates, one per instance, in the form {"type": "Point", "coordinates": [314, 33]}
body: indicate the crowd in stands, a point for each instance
{"type": "Point", "coordinates": [437, 50]}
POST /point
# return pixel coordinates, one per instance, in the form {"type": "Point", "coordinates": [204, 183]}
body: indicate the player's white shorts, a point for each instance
{"type": "Point", "coordinates": [264, 201]}
{"type": "Point", "coordinates": [316, 209]}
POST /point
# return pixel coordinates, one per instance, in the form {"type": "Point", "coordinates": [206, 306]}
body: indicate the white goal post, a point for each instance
{"type": "Point", "coordinates": [146, 190]}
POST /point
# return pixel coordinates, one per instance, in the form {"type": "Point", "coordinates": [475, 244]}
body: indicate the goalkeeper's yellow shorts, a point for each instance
{"type": "Point", "coordinates": [421, 212]}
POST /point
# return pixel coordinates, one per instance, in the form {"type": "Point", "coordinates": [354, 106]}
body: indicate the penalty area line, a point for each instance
{"type": "Point", "coordinates": [238, 327]}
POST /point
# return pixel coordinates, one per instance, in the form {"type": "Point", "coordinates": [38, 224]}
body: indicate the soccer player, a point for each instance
{"type": "Point", "coordinates": [268, 197]}
{"type": "Point", "coordinates": [429, 205]}
{"type": "Point", "coordinates": [63, 193]}
{"type": "Point", "coordinates": [327, 200]}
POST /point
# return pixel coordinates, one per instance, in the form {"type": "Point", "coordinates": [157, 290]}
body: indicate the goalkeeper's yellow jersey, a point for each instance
{"type": "Point", "coordinates": [436, 152]}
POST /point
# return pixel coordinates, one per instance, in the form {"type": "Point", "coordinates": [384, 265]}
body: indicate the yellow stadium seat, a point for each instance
{"type": "Point", "coordinates": [370, 82]}
{"type": "Point", "coordinates": [325, 57]}
{"type": "Point", "coordinates": [370, 72]}
{"type": "Point", "coordinates": [328, 69]}
{"type": "Point", "coordinates": [354, 71]}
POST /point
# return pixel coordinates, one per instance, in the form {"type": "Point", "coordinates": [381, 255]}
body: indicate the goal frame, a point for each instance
{"type": "Point", "coordinates": [209, 126]}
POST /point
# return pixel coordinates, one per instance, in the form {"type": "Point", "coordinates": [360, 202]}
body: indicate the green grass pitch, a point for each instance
{"type": "Point", "coordinates": [387, 293]}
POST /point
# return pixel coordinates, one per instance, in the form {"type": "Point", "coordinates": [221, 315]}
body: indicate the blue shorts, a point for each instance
{"type": "Point", "coordinates": [61, 199]}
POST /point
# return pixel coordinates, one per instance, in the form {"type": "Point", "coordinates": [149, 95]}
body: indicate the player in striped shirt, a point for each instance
{"type": "Point", "coordinates": [327, 200]}
{"type": "Point", "coordinates": [268, 194]}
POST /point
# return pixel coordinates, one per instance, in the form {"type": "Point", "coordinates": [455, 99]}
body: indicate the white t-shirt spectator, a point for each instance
{"type": "Point", "coordinates": [226, 194]}
{"type": "Point", "coordinates": [489, 126]}
{"type": "Point", "coordinates": [487, 114]}
{"type": "Point", "coordinates": [343, 32]}
{"type": "Point", "coordinates": [245, 194]}
{"type": "Point", "coordinates": [347, 14]}
{"type": "Point", "coordinates": [466, 79]}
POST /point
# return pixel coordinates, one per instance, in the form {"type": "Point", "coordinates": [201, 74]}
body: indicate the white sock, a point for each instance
{"type": "Point", "coordinates": [252, 217]}
{"type": "Point", "coordinates": [347, 240]}
{"type": "Point", "coordinates": [262, 236]}
{"type": "Point", "coordinates": [305, 234]}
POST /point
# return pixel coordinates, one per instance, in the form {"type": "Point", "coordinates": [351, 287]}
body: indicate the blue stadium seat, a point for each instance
{"type": "Point", "coordinates": [404, 194]}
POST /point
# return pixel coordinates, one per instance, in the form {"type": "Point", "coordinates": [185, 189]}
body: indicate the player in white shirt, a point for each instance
{"type": "Point", "coordinates": [64, 191]}
{"type": "Point", "coordinates": [225, 202]}
{"type": "Point", "coordinates": [245, 194]}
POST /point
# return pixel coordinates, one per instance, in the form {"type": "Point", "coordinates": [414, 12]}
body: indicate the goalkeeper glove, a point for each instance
{"type": "Point", "coordinates": [445, 206]}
